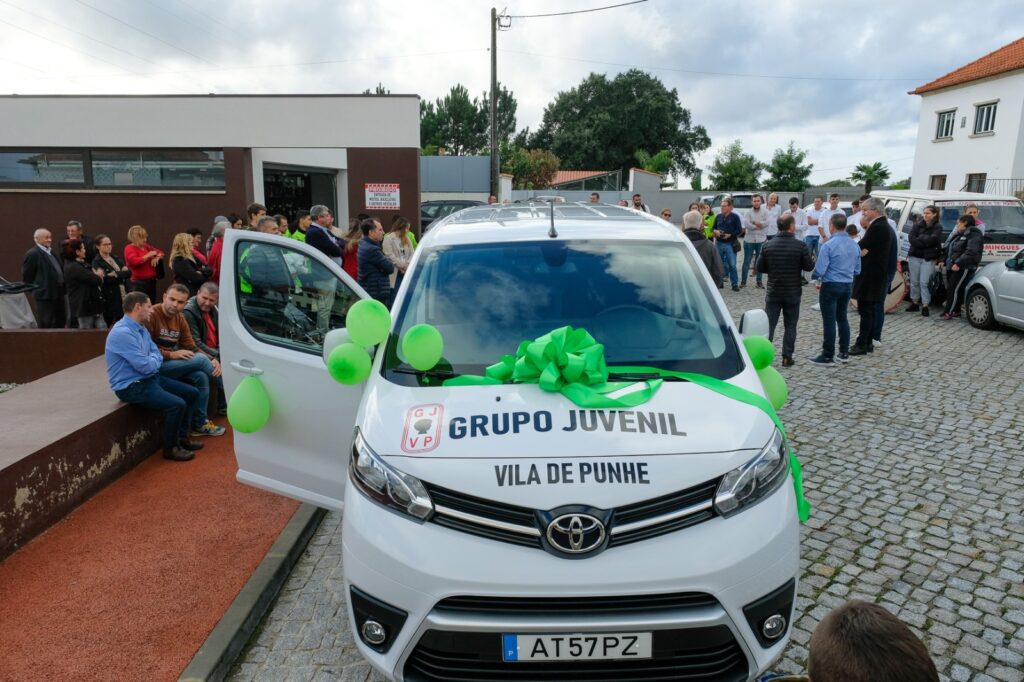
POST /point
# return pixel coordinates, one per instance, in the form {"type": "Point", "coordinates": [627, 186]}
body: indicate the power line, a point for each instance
{"type": "Point", "coordinates": [718, 73]}
{"type": "Point", "coordinates": [76, 32]}
{"type": "Point", "coordinates": [67, 47]}
{"type": "Point", "coordinates": [24, 66]}
{"type": "Point", "coordinates": [177, 16]}
{"type": "Point", "coordinates": [144, 32]}
{"type": "Point", "coordinates": [208, 16]}
{"type": "Point", "coordinates": [270, 66]}
{"type": "Point", "coordinates": [579, 11]}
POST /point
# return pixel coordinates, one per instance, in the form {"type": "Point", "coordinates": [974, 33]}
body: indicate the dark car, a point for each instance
{"type": "Point", "coordinates": [435, 210]}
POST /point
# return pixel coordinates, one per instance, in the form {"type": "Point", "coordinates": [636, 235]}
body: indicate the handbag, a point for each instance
{"type": "Point", "coordinates": [736, 246]}
{"type": "Point", "coordinates": [937, 287]}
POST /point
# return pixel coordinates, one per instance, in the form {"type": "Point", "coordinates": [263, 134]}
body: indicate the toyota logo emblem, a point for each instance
{"type": "Point", "coordinates": [575, 533]}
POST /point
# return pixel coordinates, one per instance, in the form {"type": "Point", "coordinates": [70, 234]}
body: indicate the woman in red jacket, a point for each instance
{"type": "Point", "coordinates": [142, 260]}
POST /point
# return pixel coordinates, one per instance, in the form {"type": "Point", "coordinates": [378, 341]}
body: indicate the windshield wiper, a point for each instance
{"type": "Point", "coordinates": [640, 376]}
{"type": "Point", "coordinates": [432, 373]}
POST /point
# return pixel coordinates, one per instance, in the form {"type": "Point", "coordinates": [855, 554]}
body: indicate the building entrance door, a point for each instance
{"type": "Point", "coordinates": [289, 191]}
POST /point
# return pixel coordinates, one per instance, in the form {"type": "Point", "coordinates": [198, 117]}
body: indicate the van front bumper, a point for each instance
{"type": "Point", "coordinates": [451, 595]}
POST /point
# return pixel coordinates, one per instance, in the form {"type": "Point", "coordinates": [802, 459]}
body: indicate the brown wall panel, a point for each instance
{"type": "Point", "coordinates": [30, 354]}
{"type": "Point", "coordinates": [163, 215]}
{"type": "Point", "coordinates": [380, 165]}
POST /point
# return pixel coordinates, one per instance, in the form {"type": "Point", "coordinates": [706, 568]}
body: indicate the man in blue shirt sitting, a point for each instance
{"type": "Point", "coordinates": [133, 365]}
{"type": "Point", "coordinates": [838, 262]}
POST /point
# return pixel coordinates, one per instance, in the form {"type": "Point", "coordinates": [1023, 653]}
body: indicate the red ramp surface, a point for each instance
{"type": "Point", "coordinates": [129, 585]}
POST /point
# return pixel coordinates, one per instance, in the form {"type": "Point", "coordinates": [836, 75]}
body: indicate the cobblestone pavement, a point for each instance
{"type": "Point", "coordinates": [913, 461]}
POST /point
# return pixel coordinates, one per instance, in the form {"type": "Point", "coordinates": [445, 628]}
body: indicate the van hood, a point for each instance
{"type": "Point", "coordinates": [519, 444]}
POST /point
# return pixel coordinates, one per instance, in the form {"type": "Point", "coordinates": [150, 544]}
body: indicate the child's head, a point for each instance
{"type": "Point", "coordinates": [862, 642]}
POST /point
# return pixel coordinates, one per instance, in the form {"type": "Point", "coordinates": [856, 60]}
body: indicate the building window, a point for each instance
{"type": "Point", "coordinates": [944, 129]}
{"type": "Point", "coordinates": [42, 168]}
{"type": "Point", "coordinates": [976, 182]}
{"type": "Point", "coordinates": [937, 182]}
{"type": "Point", "coordinates": [165, 168]}
{"type": "Point", "coordinates": [985, 118]}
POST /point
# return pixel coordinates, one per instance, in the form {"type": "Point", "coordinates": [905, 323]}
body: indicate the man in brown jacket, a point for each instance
{"type": "Point", "coordinates": [182, 359]}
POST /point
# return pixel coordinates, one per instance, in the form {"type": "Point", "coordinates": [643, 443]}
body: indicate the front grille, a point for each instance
{"type": "Point", "coordinates": [519, 525]}
{"type": "Point", "coordinates": [561, 606]}
{"type": "Point", "coordinates": [699, 654]}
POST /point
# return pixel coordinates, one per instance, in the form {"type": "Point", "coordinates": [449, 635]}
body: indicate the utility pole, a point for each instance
{"type": "Point", "coordinates": [494, 101]}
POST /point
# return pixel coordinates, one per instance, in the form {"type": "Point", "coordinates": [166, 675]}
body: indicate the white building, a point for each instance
{"type": "Point", "coordinates": [971, 130]}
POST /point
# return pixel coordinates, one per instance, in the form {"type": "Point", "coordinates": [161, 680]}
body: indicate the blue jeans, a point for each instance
{"type": "Point", "coordinates": [812, 244]}
{"type": "Point", "coordinates": [196, 371]}
{"type": "Point", "coordinates": [175, 399]}
{"type": "Point", "coordinates": [876, 335]}
{"type": "Point", "coordinates": [728, 260]}
{"type": "Point", "coordinates": [834, 298]}
{"type": "Point", "coordinates": [751, 251]}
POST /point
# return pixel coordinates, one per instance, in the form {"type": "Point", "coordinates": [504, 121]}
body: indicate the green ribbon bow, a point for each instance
{"type": "Point", "coordinates": [569, 361]}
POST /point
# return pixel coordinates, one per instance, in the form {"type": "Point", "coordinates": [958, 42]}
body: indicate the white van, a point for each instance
{"type": "Point", "coordinates": [502, 532]}
{"type": "Point", "coordinates": [1003, 217]}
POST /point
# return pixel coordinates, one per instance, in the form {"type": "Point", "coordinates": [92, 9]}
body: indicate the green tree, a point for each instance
{"type": "Point", "coordinates": [380, 90]}
{"type": "Point", "coordinates": [599, 124]}
{"type": "Point", "coordinates": [870, 174]}
{"type": "Point", "coordinates": [454, 122]}
{"type": "Point", "coordinates": [787, 171]}
{"type": "Point", "coordinates": [697, 181]}
{"type": "Point", "coordinates": [660, 163]}
{"type": "Point", "coordinates": [506, 113]}
{"type": "Point", "coordinates": [733, 169]}
{"type": "Point", "coordinates": [530, 168]}
{"type": "Point", "coordinates": [430, 133]}
{"type": "Point", "coordinates": [839, 182]}
{"type": "Point", "coordinates": [900, 184]}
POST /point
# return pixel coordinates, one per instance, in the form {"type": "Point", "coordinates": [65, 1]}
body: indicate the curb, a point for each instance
{"type": "Point", "coordinates": [215, 657]}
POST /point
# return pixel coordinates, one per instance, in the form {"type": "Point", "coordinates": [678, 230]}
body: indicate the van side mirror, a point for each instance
{"type": "Point", "coordinates": [1012, 264]}
{"type": "Point", "coordinates": [754, 323]}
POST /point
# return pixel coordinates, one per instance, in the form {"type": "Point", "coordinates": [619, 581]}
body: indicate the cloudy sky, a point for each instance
{"type": "Point", "coordinates": [831, 76]}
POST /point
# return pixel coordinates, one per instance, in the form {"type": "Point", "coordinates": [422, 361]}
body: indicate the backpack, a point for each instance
{"type": "Point", "coordinates": [937, 287]}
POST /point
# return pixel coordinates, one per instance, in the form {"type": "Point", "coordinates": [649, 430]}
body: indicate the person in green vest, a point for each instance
{"type": "Point", "coordinates": [709, 219]}
{"type": "Point", "coordinates": [299, 227]}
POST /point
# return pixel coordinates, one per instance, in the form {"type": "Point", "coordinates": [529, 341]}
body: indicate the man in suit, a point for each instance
{"type": "Point", "coordinates": [318, 234]}
{"type": "Point", "coordinates": [869, 287]}
{"type": "Point", "coordinates": [42, 268]}
{"type": "Point", "coordinates": [74, 231]}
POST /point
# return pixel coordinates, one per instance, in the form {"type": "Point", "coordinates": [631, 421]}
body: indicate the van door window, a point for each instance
{"type": "Point", "coordinates": [288, 299]}
{"type": "Point", "coordinates": [916, 215]}
{"type": "Point", "coordinates": [894, 209]}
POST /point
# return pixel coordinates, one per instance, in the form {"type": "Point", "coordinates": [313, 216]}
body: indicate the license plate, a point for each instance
{"type": "Point", "coordinates": [576, 647]}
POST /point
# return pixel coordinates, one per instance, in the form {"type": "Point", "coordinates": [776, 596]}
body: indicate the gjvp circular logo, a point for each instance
{"type": "Point", "coordinates": [575, 533]}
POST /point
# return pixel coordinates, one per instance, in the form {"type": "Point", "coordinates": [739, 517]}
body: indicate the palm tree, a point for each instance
{"type": "Point", "coordinates": [870, 174]}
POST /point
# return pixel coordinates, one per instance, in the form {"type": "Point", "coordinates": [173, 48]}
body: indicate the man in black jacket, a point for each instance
{"type": "Point", "coordinates": [965, 249]}
{"type": "Point", "coordinates": [203, 321]}
{"type": "Point", "coordinates": [693, 228]}
{"type": "Point", "coordinates": [318, 234]}
{"type": "Point", "coordinates": [869, 287]}
{"type": "Point", "coordinates": [42, 268]}
{"type": "Point", "coordinates": [374, 266]}
{"type": "Point", "coordinates": [784, 259]}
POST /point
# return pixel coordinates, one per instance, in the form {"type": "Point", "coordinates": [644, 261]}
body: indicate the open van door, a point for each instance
{"type": "Point", "coordinates": [279, 298]}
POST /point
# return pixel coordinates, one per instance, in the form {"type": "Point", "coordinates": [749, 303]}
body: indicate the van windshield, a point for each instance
{"type": "Point", "coordinates": [646, 302]}
{"type": "Point", "coordinates": [1004, 220]}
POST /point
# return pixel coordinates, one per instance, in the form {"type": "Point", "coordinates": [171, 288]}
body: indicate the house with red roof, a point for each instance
{"type": "Point", "coordinates": [971, 130]}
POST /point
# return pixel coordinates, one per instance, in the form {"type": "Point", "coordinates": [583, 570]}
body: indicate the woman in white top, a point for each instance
{"type": "Point", "coordinates": [398, 248]}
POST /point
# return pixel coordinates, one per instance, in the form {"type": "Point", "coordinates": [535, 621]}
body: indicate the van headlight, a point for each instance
{"type": "Point", "coordinates": [755, 480]}
{"type": "Point", "coordinates": [387, 485]}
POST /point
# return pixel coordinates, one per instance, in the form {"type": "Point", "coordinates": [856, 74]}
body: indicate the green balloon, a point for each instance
{"type": "Point", "coordinates": [368, 322]}
{"type": "Point", "coordinates": [249, 406]}
{"type": "Point", "coordinates": [422, 346]}
{"type": "Point", "coordinates": [761, 351]}
{"type": "Point", "coordinates": [349, 364]}
{"type": "Point", "coordinates": [774, 386]}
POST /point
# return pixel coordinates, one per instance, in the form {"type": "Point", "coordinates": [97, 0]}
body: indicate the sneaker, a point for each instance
{"type": "Point", "coordinates": [913, 308]}
{"type": "Point", "coordinates": [735, 288]}
{"type": "Point", "coordinates": [787, 362]}
{"type": "Point", "coordinates": [844, 357]}
{"type": "Point", "coordinates": [208, 429]}
{"type": "Point", "coordinates": [924, 311]}
{"type": "Point", "coordinates": [955, 314]}
{"type": "Point", "coordinates": [860, 350]}
{"type": "Point", "coordinates": [743, 285]}
{"type": "Point", "coordinates": [760, 286]}
{"type": "Point", "coordinates": [816, 306]}
{"type": "Point", "coordinates": [178, 454]}
{"type": "Point", "coordinates": [876, 343]}
{"type": "Point", "coordinates": [189, 444]}
{"type": "Point", "coordinates": [946, 316]}
{"type": "Point", "coordinates": [823, 360]}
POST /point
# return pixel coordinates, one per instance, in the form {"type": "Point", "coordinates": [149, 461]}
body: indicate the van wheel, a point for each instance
{"type": "Point", "coordinates": [979, 309]}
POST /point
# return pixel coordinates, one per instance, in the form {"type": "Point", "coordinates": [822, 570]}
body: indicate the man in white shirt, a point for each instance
{"type": "Point", "coordinates": [755, 222]}
{"type": "Point", "coordinates": [825, 216]}
{"type": "Point", "coordinates": [858, 214]}
{"type": "Point", "coordinates": [774, 213]}
{"type": "Point", "coordinates": [800, 230]}
{"type": "Point", "coordinates": [813, 236]}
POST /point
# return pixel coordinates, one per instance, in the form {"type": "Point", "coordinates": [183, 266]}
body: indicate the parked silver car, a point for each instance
{"type": "Point", "coordinates": [996, 294]}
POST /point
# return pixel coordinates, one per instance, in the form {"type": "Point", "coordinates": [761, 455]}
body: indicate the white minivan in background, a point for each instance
{"type": "Point", "coordinates": [501, 532]}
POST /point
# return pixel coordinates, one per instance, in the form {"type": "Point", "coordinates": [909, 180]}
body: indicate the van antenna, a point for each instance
{"type": "Point", "coordinates": [552, 233]}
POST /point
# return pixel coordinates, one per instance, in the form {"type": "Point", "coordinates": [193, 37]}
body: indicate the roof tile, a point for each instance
{"type": "Point", "coordinates": [1007, 58]}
